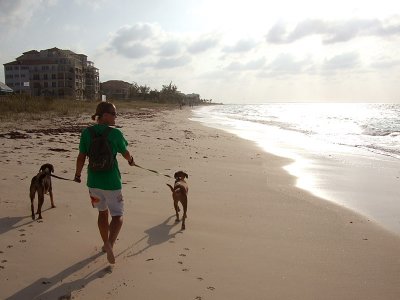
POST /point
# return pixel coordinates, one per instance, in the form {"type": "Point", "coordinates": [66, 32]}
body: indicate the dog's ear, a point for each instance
{"type": "Point", "coordinates": [51, 169]}
{"type": "Point", "coordinates": [186, 175]}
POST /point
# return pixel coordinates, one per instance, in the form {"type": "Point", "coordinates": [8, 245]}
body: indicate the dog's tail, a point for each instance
{"type": "Point", "coordinates": [170, 186]}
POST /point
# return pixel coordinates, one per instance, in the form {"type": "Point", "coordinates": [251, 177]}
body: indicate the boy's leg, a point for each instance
{"type": "Point", "coordinates": [115, 227]}
{"type": "Point", "coordinates": [102, 223]}
{"type": "Point", "coordinates": [104, 229]}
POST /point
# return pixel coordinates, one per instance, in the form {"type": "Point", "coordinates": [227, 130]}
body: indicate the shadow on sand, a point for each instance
{"type": "Point", "coordinates": [9, 223]}
{"type": "Point", "coordinates": [156, 235]}
{"type": "Point", "coordinates": [42, 288]}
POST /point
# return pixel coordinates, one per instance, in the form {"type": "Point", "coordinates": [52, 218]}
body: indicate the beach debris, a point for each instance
{"type": "Point", "coordinates": [149, 259]}
{"type": "Point", "coordinates": [58, 150]}
{"type": "Point", "coordinates": [14, 135]}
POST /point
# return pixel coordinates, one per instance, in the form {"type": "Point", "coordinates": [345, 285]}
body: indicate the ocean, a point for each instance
{"type": "Point", "coordinates": [348, 153]}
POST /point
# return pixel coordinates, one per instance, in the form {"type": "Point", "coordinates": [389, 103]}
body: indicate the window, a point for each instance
{"type": "Point", "coordinates": [53, 76]}
{"type": "Point", "coordinates": [54, 84]}
{"type": "Point", "coordinates": [36, 77]}
{"type": "Point", "coordinates": [45, 76]}
{"type": "Point", "coordinates": [45, 84]}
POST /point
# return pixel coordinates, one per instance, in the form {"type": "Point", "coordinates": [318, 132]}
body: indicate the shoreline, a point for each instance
{"type": "Point", "coordinates": [349, 177]}
{"type": "Point", "coordinates": [250, 232]}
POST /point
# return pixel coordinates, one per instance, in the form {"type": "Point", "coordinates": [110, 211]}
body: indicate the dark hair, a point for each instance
{"type": "Point", "coordinates": [103, 107]}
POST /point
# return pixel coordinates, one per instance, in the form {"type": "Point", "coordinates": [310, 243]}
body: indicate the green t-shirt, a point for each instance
{"type": "Point", "coordinates": [105, 180]}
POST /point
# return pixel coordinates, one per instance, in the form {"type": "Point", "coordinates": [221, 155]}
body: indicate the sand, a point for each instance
{"type": "Point", "coordinates": [250, 233]}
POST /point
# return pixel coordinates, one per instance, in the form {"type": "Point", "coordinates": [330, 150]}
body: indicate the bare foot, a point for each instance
{"type": "Point", "coordinates": [110, 254]}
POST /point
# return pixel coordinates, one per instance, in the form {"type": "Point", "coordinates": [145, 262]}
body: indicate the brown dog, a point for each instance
{"type": "Point", "coordinates": [179, 194]}
{"type": "Point", "coordinates": [41, 183]}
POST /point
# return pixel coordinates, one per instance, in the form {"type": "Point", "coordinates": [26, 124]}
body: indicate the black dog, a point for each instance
{"type": "Point", "coordinates": [41, 183]}
{"type": "Point", "coordinates": [179, 194]}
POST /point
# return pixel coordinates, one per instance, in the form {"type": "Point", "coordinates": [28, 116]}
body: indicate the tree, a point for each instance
{"type": "Point", "coordinates": [144, 90]}
{"type": "Point", "coordinates": [169, 93]}
{"type": "Point", "coordinates": [134, 90]}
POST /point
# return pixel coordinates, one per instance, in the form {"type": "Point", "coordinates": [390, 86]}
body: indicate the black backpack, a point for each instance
{"type": "Point", "coordinates": [100, 153]}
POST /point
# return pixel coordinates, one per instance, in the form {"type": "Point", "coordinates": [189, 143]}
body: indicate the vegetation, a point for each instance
{"type": "Point", "coordinates": [168, 94]}
{"type": "Point", "coordinates": [19, 107]}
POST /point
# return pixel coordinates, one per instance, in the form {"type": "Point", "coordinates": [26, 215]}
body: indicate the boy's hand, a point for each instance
{"type": "Point", "coordinates": [131, 162]}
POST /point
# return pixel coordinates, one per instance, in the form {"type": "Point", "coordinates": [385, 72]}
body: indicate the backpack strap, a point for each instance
{"type": "Point", "coordinates": [92, 132]}
{"type": "Point", "coordinates": [105, 132]}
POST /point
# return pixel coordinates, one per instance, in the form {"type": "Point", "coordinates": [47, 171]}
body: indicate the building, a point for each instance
{"type": "Point", "coordinates": [53, 72]}
{"type": "Point", "coordinates": [116, 89]}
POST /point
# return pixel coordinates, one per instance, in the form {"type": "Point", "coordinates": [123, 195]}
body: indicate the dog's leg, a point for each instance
{"type": "Point", "coordinates": [184, 204]}
{"type": "Point", "coordinates": [176, 210]}
{"type": "Point", "coordinates": [40, 203]}
{"type": "Point", "coordinates": [51, 198]}
{"type": "Point", "coordinates": [32, 196]}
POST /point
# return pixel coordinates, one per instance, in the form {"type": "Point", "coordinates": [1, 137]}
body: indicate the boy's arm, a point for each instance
{"type": "Point", "coordinates": [80, 162]}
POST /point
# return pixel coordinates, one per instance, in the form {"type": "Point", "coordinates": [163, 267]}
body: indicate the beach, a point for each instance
{"type": "Point", "coordinates": [250, 233]}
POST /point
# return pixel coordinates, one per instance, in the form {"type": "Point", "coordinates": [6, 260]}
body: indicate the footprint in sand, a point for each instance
{"type": "Point", "coordinates": [105, 271]}
{"type": "Point", "coordinates": [183, 255]}
{"type": "Point", "coordinates": [65, 297]}
{"type": "Point", "coordinates": [200, 278]}
{"type": "Point", "coordinates": [22, 241]}
{"type": "Point", "coordinates": [180, 262]}
{"type": "Point", "coordinates": [211, 288]}
{"type": "Point", "coordinates": [185, 270]}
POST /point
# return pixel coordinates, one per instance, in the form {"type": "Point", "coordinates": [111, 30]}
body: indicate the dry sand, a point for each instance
{"type": "Point", "coordinates": [250, 234]}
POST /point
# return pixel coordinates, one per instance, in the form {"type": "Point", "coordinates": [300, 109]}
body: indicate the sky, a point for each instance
{"type": "Point", "coordinates": [227, 51]}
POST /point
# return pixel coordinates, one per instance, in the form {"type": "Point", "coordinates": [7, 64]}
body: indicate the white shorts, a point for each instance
{"type": "Point", "coordinates": [111, 200]}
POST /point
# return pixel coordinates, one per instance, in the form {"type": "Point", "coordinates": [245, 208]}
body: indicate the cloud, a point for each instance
{"type": "Point", "coordinates": [94, 4]}
{"type": "Point", "coordinates": [170, 48]}
{"type": "Point", "coordinates": [203, 44]}
{"type": "Point", "coordinates": [18, 13]}
{"type": "Point", "coordinates": [286, 64]}
{"type": "Point", "coordinates": [251, 65]}
{"type": "Point", "coordinates": [168, 63]}
{"type": "Point", "coordinates": [343, 61]}
{"type": "Point", "coordinates": [243, 45]}
{"type": "Point", "coordinates": [132, 41]}
{"type": "Point", "coordinates": [333, 31]}
{"type": "Point", "coordinates": [385, 64]}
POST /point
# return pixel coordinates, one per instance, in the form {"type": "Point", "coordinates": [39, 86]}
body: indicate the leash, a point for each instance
{"type": "Point", "coordinates": [61, 177]}
{"type": "Point", "coordinates": [154, 171]}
